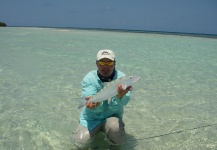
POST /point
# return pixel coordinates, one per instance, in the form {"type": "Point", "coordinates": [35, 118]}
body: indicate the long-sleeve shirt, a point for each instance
{"type": "Point", "coordinates": [91, 85]}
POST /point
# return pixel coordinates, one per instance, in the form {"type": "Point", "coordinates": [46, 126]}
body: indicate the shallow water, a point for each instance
{"type": "Point", "coordinates": [172, 107]}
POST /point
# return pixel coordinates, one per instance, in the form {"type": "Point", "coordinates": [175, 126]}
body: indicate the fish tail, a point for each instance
{"type": "Point", "coordinates": [82, 103]}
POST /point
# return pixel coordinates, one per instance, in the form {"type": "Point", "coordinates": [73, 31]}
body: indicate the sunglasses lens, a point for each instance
{"type": "Point", "coordinates": [102, 63]}
{"type": "Point", "coordinates": [109, 63]}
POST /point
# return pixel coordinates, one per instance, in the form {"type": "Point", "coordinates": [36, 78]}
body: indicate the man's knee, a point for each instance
{"type": "Point", "coordinates": [81, 136]}
{"type": "Point", "coordinates": [114, 129]}
{"type": "Point", "coordinates": [112, 124]}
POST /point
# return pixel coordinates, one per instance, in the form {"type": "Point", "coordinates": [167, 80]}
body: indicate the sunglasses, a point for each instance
{"type": "Point", "coordinates": [102, 63]}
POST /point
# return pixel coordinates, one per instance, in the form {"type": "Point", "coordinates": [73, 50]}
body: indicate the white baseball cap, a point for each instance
{"type": "Point", "coordinates": [105, 53]}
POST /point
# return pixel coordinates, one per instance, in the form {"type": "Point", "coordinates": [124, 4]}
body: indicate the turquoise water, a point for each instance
{"type": "Point", "coordinates": [172, 107]}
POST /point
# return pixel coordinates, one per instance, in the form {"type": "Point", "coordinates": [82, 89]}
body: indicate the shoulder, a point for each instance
{"type": "Point", "coordinates": [91, 74]}
{"type": "Point", "coordinates": [91, 82]}
{"type": "Point", "coordinates": [91, 77]}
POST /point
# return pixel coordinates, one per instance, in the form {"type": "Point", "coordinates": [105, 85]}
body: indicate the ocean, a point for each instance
{"type": "Point", "coordinates": [173, 106]}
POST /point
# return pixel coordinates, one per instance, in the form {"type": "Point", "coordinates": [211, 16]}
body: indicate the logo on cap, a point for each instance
{"type": "Point", "coordinates": [105, 53]}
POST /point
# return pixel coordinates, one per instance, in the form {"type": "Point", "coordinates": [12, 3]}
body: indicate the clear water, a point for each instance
{"type": "Point", "coordinates": [172, 107]}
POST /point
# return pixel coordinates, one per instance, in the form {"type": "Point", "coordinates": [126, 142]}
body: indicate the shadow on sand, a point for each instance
{"type": "Point", "coordinates": [99, 143]}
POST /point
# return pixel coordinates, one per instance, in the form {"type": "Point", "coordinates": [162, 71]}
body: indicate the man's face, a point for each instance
{"type": "Point", "coordinates": [105, 68]}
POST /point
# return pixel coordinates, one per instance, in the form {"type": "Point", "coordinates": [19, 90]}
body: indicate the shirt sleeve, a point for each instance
{"type": "Point", "coordinates": [124, 100]}
{"type": "Point", "coordinates": [88, 88]}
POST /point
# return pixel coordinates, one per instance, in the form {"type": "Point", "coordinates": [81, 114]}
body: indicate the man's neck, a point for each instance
{"type": "Point", "coordinates": [106, 79]}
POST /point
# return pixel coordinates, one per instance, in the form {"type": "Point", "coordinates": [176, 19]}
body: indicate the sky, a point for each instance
{"type": "Point", "coordinates": [187, 16]}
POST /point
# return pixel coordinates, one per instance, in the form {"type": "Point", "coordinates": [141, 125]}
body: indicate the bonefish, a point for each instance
{"type": "Point", "coordinates": [110, 90]}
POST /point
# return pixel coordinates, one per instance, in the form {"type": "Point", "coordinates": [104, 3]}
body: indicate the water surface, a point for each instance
{"type": "Point", "coordinates": [41, 69]}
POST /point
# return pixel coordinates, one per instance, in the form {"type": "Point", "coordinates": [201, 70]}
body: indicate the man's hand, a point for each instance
{"type": "Point", "coordinates": [91, 105]}
{"type": "Point", "coordinates": [121, 91]}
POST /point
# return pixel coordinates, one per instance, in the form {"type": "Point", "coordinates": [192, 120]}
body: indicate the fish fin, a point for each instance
{"type": "Point", "coordinates": [124, 86]}
{"type": "Point", "coordinates": [109, 100]}
{"type": "Point", "coordinates": [82, 103]}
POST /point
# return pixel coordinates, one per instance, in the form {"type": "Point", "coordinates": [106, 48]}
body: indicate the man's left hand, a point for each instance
{"type": "Point", "coordinates": [121, 91]}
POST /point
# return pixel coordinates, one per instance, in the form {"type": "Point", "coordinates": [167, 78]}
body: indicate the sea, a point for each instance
{"type": "Point", "coordinates": [172, 107]}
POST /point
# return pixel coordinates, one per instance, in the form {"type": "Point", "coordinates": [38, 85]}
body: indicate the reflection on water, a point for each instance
{"type": "Point", "coordinates": [172, 107]}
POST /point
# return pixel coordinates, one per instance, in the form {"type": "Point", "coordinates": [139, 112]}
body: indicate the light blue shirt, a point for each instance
{"type": "Point", "coordinates": [91, 85]}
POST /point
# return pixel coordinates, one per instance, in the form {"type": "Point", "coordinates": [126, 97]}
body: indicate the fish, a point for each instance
{"type": "Point", "coordinates": [110, 90]}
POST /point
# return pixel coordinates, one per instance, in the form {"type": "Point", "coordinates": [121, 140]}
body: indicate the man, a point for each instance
{"type": "Point", "coordinates": [102, 117]}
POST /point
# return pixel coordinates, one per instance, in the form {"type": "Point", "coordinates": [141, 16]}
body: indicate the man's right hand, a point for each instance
{"type": "Point", "coordinates": [91, 105]}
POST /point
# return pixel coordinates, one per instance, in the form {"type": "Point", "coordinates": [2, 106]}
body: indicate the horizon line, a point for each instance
{"type": "Point", "coordinates": [133, 31]}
